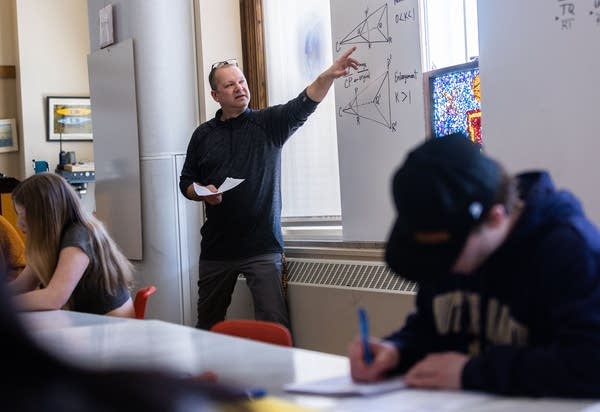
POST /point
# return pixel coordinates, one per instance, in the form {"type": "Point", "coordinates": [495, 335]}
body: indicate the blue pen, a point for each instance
{"type": "Point", "coordinates": [363, 324]}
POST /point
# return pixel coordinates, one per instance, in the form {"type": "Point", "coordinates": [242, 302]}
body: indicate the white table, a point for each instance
{"type": "Point", "coordinates": [106, 342]}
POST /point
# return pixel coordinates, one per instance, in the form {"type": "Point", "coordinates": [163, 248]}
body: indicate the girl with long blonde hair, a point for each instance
{"type": "Point", "coordinates": [72, 262]}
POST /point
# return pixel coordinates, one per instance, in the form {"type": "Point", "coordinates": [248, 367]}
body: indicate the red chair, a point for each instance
{"type": "Point", "coordinates": [260, 330]}
{"type": "Point", "coordinates": [141, 299]}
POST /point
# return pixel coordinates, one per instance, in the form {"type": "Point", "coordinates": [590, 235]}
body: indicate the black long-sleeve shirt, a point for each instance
{"type": "Point", "coordinates": [248, 220]}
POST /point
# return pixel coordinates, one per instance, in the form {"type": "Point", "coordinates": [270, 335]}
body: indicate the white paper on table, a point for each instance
{"type": "Point", "coordinates": [345, 386]}
{"type": "Point", "coordinates": [228, 184]}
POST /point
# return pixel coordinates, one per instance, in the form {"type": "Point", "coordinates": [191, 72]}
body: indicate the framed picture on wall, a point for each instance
{"type": "Point", "coordinates": [9, 141]}
{"type": "Point", "coordinates": [69, 119]}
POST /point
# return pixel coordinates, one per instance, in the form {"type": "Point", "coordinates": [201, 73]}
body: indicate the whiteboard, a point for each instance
{"type": "Point", "coordinates": [379, 107]}
{"type": "Point", "coordinates": [540, 90]}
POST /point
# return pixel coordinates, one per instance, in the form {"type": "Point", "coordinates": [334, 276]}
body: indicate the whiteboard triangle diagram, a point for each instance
{"type": "Point", "coordinates": [373, 29]}
{"type": "Point", "coordinates": [373, 102]}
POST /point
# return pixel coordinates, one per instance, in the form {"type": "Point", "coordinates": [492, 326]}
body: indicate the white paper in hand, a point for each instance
{"type": "Point", "coordinates": [228, 184]}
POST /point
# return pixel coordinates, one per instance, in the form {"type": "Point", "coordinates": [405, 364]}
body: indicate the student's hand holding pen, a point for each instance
{"type": "Point", "coordinates": [385, 357]}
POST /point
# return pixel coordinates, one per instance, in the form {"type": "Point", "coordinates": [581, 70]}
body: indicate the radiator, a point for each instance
{"type": "Point", "coordinates": [323, 298]}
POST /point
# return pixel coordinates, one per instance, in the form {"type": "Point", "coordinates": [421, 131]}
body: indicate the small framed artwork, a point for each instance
{"type": "Point", "coordinates": [9, 141]}
{"type": "Point", "coordinates": [69, 119]}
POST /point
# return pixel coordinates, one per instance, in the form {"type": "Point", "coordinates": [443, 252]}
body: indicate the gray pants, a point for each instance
{"type": "Point", "coordinates": [217, 279]}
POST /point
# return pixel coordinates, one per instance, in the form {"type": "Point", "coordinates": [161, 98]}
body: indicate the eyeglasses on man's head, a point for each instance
{"type": "Point", "coordinates": [230, 62]}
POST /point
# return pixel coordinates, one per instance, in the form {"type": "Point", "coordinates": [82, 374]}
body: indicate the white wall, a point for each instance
{"type": "Point", "coordinates": [540, 91]}
{"type": "Point", "coordinates": [49, 41]}
{"type": "Point", "coordinates": [50, 53]}
{"type": "Point", "coordinates": [53, 43]}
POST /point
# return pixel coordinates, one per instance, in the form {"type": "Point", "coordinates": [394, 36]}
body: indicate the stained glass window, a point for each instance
{"type": "Point", "coordinates": [455, 101]}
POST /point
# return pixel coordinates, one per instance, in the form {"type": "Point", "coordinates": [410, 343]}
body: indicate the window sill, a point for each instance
{"type": "Point", "coordinates": [335, 249]}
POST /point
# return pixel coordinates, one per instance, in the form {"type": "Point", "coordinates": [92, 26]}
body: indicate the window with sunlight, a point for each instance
{"type": "Point", "coordinates": [298, 48]}
{"type": "Point", "coordinates": [448, 32]}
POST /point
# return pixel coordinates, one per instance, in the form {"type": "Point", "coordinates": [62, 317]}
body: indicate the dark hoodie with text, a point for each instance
{"type": "Point", "coordinates": [529, 316]}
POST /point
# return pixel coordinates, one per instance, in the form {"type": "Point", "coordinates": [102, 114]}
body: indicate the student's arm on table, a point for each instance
{"type": "Point", "coordinates": [72, 263]}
